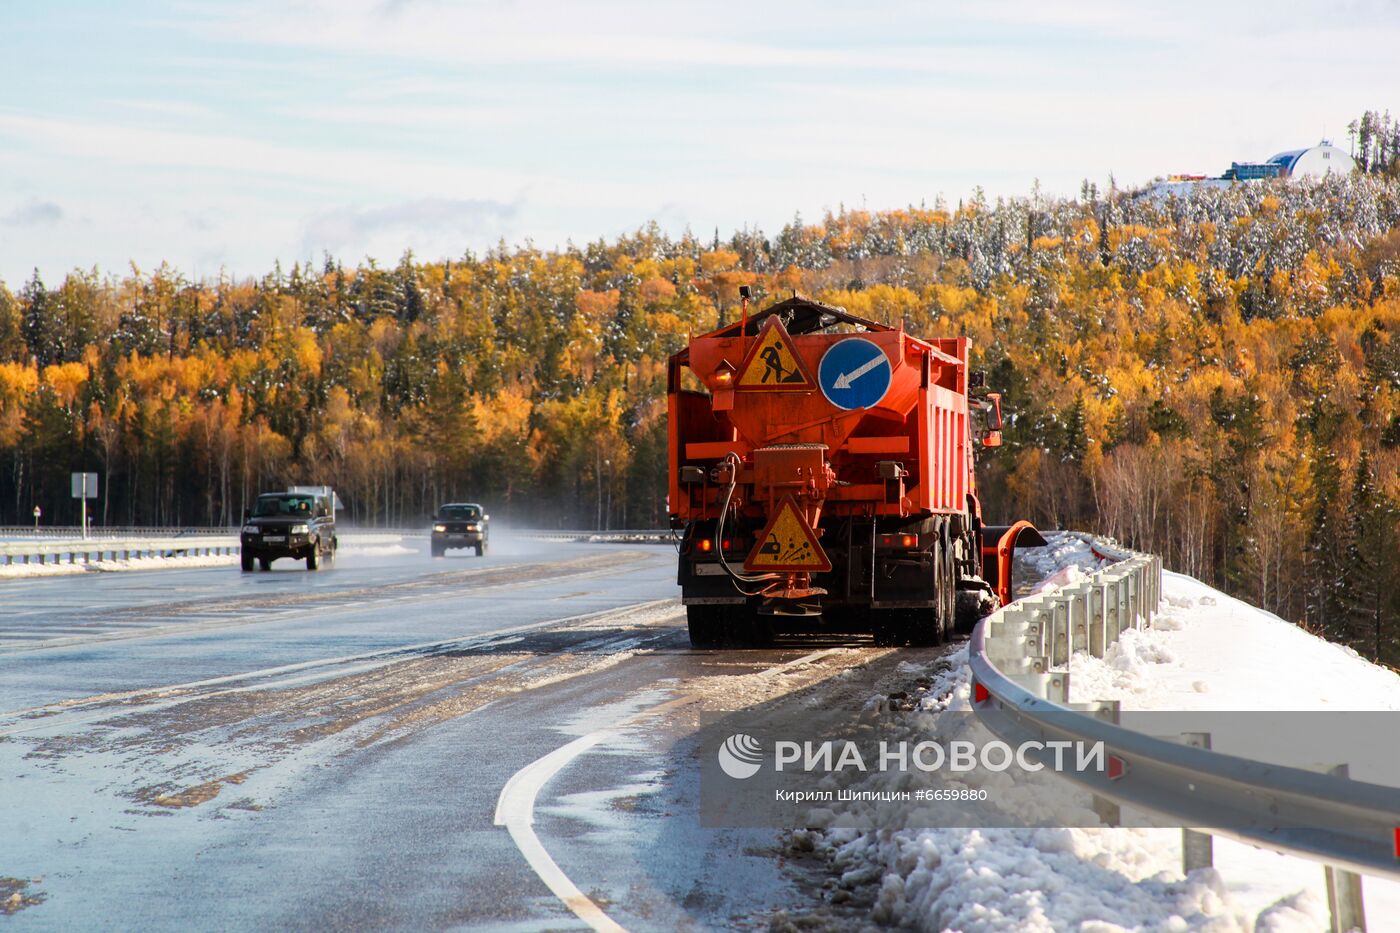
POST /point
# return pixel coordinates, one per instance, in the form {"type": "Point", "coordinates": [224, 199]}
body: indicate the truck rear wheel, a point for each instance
{"type": "Point", "coordinates": [947, 592]}
{"type": "Point", "coordinates": [264, 564]}
{"type": "Point", "coordinates": [708, 625]}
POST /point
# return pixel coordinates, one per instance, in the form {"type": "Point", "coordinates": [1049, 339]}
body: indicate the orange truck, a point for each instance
{"type": "Point", "coordinates": [822, 471]}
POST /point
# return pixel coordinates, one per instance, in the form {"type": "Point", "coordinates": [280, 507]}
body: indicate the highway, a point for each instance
{"type": "Point", "coordinates": [205, 748]}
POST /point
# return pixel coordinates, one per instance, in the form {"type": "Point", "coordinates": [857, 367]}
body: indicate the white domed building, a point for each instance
{"type": "Point", "coordinates": [1319, 160]}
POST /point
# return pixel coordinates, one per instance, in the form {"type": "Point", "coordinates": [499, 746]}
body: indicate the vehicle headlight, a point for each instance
{"type": "Point", "coordinates": [301, 529]}
{"type": "Point", "coordinates": [439, 528]}
{"type": "Point", "coordinates": [473, 527]}
{"type": "Point", "coordinates": [250, 529]}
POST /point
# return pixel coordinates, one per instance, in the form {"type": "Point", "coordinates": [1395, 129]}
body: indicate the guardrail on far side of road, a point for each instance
{"type": "Point", "coordinates": [73, 550]}
{"type": "Point", "coordinates": [96, 549]}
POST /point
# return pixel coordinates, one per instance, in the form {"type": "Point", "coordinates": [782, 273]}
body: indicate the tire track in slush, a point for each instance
{"type": "Point", "coordinates": [155, 699]}
{"type": "Point", "coordinates": [251, 611]}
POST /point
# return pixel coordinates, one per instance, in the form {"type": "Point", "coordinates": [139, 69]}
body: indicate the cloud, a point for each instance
{"type": "Point", "coordinates": [321, 163]}
{"type": "Point", "coordinates": [353, 228]}
{"type": "Point", "coordinates": [34, 213]}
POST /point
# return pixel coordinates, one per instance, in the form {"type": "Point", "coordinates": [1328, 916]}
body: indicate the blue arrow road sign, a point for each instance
{"type": "Point", "coordinates": [854, 373]}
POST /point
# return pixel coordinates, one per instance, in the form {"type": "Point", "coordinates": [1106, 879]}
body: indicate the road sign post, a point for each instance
{"type": "Point", "coordinates": [37, 513]}
{"type": "Point", "coordinates": [84, 488]}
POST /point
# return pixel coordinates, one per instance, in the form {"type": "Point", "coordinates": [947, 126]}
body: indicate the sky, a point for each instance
{"type": "Point", "coordinates": [223, 137]}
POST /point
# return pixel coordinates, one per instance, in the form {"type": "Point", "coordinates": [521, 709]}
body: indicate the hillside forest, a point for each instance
{"type": "Point", "coordinates": [1215, 377]}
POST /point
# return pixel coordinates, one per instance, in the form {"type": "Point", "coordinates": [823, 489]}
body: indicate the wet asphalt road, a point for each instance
{"type": "Point", "coordinates": [201, 749]}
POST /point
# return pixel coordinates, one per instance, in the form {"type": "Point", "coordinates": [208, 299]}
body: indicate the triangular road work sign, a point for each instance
{"type": "Point", "coordinates": [788, 544]}
{"type": "Point", "coordinates": [773, 363]}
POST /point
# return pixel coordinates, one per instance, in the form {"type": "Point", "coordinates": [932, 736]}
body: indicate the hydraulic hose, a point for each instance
{"type": "Point", "coordinates": [734, 576]}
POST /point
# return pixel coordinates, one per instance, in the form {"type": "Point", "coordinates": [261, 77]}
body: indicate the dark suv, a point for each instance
{"type": "Point", "coordinates": [299, 525]}
{"type": "Point", "coordinates": [460, 524]}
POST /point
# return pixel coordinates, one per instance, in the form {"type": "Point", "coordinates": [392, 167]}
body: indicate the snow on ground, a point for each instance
{"type": "Point", "coordinates": [185, 561]}
{"type": "Point", "coordinates": [1204, 652]}
{"type": "Point", "coordinates": [134, 563]}
{"type": "Point", "coordinates": [375, 550]}
{"type": "Point", "coordinates": [1208, 651]}
{"type": "Point", "coordinates": [1065, 559]}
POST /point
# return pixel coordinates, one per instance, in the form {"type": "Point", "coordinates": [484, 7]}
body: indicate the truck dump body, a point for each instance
{"type": "Point", "coordinates": [822, 467]}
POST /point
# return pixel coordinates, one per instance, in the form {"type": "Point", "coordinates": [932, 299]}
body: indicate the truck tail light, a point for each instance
{"type": "Point", "coordinates": [900, 540]}
{"type": "Point", "coordinates": [705, 545]}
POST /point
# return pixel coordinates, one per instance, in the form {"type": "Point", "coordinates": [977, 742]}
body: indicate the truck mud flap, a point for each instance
{"type": "Point", "coordinates": [999, 544]}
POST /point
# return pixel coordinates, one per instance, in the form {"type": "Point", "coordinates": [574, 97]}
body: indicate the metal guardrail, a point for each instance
{"type": "Point", "coordinates": [73, 532]}
{"type": "Point", "coordinates": [624, 536]}
{"type": "Point", "coordinates": [69, 532]}
{"type": "Point", "coordinates": [103, 545]}
{"type": "Point", "coordinates": [1019, 695]}
{"type": "Point", "coordinates": [74, 551]}
{"type": "Point", "coordinates": [109, 531]}
{"type": "Point", "coordinates": [40, 551]}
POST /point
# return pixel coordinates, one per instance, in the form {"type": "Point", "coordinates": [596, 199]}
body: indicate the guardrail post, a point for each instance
{"type": "Point", "coordinates": [1108, 812]}
{"type": "Point", "coordinates": [1044, 634]}
{"type": "Point", "coordinates": [1079, 601]}
{"type": "Point", "coordinates": [1059, 624]}
{"type": "Point", "coordinates": [1344, 899]}
{"type": "Point", "coordinates": [1154, 584]}
{"type": "Point", "coordinates": [1110, 609]}
{"type": "Point", "coordinates": [1125, 605]}
{"type": "Point", "coordinates": [1197, 849]}
{"type": "Point", "coordinates": [1097, 609]}
{"type": "Point", "coordinates": [1110, 597]}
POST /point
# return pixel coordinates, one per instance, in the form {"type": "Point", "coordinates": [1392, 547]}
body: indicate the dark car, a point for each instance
{"type": "Point", "coordinates": [460, 524]}
{"type": "Point", "coordinates": [299, 525]}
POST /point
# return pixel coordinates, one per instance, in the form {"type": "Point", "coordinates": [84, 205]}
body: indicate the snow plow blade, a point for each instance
{"type": "Point", "coordinates": [999, 543]}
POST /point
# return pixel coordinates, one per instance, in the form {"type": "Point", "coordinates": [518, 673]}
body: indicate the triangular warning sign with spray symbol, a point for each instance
{"type": "Point", "coordinates": [772, 362]}
{"type": "Point", "coordinates": [787, 544]}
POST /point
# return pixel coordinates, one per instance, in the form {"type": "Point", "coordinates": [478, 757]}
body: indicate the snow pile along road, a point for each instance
{"type": "Point", "coordinates": [376, 545]}
{"type": "Point", "coordinates": [1208, 651]}
{"type": "Point", "coordinates": [133, 563]}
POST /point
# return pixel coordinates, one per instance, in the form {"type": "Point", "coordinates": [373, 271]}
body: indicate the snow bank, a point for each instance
{"type": "Point", "coordinates": [107, 566]}
{"type": "Point", "coordinates": [1208, 651]}
{"type": "Point", "coordinates": [375, 550]}
{"type": "Point", "coordinates": [1066, 558]}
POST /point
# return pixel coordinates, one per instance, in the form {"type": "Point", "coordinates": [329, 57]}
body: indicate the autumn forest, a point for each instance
{"type": "Point", "coordinates": [1215, 378]}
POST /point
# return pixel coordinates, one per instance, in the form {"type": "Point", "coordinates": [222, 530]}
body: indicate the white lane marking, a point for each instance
{"type": "Point", "coordinates": [807, 658]}
{"type": "Point", "coordinates": [515, 810]}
